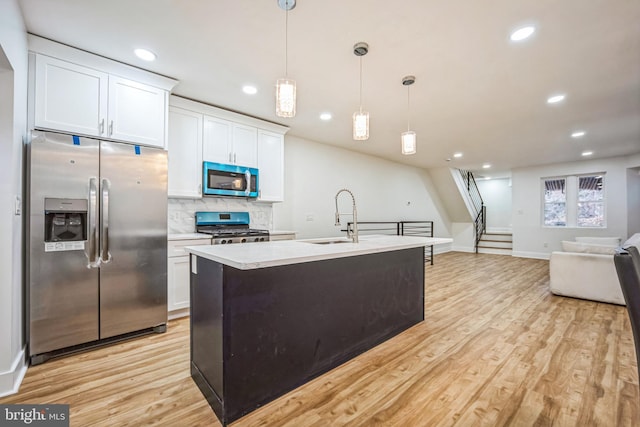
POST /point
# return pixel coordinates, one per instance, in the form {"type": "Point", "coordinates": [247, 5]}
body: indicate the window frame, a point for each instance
{"type": "Point", "coordinates": [572, 200]}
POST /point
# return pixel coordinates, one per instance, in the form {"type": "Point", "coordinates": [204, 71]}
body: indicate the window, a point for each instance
{"type": "Point", "coordinates": [590, 201]}
{"type": "Point", "coordinates": [555, 202]}
{"type": "Point", "coordinates": [574, 201]}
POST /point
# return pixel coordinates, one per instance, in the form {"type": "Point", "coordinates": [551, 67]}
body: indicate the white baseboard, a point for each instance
{"type": "Point", "coordinates": [10, 380]}
{"type": "Point", "coordinates": [462, 249]}
{"type": "Point", "coordinates": [441, 249]}
{"type": "Point", "coordinates": [536, 255]}
{"type": "Point", "coordinates": [176, 314]}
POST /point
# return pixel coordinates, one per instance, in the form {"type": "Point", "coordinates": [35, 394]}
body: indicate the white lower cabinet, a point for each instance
{"type": "Point", "coordinates": [178, 276]}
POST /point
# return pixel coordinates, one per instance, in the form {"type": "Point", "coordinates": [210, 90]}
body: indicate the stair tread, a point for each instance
{"type": "Point", "coordinates": [501, 241]}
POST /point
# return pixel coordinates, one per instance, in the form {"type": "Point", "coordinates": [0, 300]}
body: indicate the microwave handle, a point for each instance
{"type": "Point", "coordinates": [247, 175]}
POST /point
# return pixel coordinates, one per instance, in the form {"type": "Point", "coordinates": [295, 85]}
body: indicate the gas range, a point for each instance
{"type": "Point", "coordinates": [229, 227]}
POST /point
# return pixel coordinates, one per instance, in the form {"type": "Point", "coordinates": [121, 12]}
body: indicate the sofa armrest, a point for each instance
{"type": "Point", "coordinates": [583, 275]}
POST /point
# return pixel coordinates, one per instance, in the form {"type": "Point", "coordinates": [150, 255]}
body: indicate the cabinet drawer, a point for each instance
{"type": "Point", "coordinates": [176, 247]}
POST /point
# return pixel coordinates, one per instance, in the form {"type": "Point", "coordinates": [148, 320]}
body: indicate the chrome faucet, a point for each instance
{"type": "Point", "coordinates": [352, 232]}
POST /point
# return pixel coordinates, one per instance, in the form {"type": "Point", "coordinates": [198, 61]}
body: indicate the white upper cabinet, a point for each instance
{"type": "Point", "coordinates": [136, 112]}
{"type": "Point", "coordinates": [217, 143]}
{"type": "Point", "coordinates": [271, 166]}
{"type": "Point", "coordinates": [224, 137]}
{"type": "Point", "coordinates": [229, 142]}
{"type": "Point", "coordinates": [70, 97]}
{"type": "Point", "coordinates": [77, 92]}
{"type": "Point", "coordinates": [185, 153]}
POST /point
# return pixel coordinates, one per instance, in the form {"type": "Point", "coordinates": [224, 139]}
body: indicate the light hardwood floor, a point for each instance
{"type": "Point", "coordinates": [495, 349]}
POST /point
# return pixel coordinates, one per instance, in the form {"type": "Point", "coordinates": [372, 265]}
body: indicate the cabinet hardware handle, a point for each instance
{"type": "Point", "coordinates": [111, 128]}
{"type": "Point", "coordinates": [101, 126]}
{"type": "Point", "coordinates": [234, 158]}
{"type": "Point", "coordinates": [230, 158]}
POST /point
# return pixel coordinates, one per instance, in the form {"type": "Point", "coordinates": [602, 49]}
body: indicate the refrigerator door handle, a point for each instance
{"type": "Point", "coordinates": [105, 256]}
{"type": "Point", "coordinates": [92, 213]}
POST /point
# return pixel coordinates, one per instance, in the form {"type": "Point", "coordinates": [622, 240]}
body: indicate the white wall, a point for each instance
{"type": "Point", "coordinates": [531, 239]}
{"type": "Point", "coordinates": [384, 190]}
{"type": "Point", "coordinates": [13, 119]}
{"type": "Point", "coordinates": [496, 194]}
{"type": "Point", "coordinates": [633, 200]}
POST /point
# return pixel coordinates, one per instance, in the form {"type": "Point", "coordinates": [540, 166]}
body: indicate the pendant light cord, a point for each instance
{"type": "Point", "coordinates": [360, 84]}
{"type": "Point", "coordinates": [286, 40]}
{"type": "Point", "coordinates": [408, 107]}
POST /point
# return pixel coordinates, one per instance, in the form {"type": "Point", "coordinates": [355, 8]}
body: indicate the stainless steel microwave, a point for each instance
{"type": "Point", "coordinates": [229, 180]}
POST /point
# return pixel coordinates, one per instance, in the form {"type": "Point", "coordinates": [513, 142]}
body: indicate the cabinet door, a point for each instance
{"type": "Point", "coordinates": [178, 283]}
{"type": "Point", "coordinates": [245, 145]}
{"type": "Point", "coordinates": [185, 153]}
{"type": "Point", "coordinates": [136, 112]}
{"type": "Point", "coordinates": [271, 166]}
{"type": "Point", "coordinates": [69, 97]}
{"type": "Point", "coordinates": [216, 144]}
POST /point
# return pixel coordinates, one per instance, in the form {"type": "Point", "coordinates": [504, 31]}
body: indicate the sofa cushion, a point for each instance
{"type": "Point", "coordinates": [632, 241]}
{"type": "Point", "coordinates": [588, 248]}
{"type": "Point", "coordinates": [610, 241]}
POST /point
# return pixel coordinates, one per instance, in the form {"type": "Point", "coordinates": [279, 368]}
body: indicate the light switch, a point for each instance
{"type": "Point", "coordinates": [18, 206]}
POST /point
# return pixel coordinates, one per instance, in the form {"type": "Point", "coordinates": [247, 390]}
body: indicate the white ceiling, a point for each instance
{"type": "Point", "coordinates": [475, 92]}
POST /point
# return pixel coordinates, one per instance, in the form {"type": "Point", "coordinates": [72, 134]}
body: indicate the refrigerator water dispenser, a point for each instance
{"type": "Point", "coordinates": [65, 220]}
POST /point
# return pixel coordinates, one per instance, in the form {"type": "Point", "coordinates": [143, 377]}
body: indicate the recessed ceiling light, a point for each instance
{"type": "Point", "coordinates": [249, 90]}
{"type": "Point", "coordinates": [487, 178]}
{"type": "Point", "coordinates": [457, 155]}
{"type": "Point", "coordinates": [325, 116]}
{"type": "Point", "coordinates": [145, 54]}
{"type": "Point", "coordinates": [486, 166]}
{"type": "Point", "coordinates": [554, 99]}
{"type": "Point", "coordinates": [587, 153]}
{"type": "Point", "coordinates": [522, 33]}
{"type": "Point", "coordinates": [578, 134]}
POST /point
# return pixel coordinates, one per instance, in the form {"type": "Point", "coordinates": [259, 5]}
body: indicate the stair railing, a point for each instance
{"type": "Point", "coordinates": [479, 209]}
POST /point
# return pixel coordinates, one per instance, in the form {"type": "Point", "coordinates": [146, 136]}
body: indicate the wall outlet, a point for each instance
{"type": "Point", "coordinates": [545, 244]}
{"type": "Point", "coordinates": [18, 206]}
{"type": "Point", "coordinates": [310, 217]}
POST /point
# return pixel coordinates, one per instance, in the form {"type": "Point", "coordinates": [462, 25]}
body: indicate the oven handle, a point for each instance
{"type": "Point", "coordinates": [105, 256]}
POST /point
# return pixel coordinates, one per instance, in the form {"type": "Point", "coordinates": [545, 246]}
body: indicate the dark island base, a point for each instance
{"type": "Point", "coordinates": [258, 334]}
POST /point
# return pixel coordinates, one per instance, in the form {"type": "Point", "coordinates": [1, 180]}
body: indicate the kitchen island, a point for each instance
{"type": "Point", "coordinates": [268, 317]}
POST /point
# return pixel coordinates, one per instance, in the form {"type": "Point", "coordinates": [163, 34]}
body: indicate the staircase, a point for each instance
{"type": "Point", "coordinates": [499, 243]}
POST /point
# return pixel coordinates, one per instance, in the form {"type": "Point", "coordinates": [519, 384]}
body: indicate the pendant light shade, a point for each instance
{"type": "Point", "coordinates": [286, 88]}
{"type": "Point", "coordinates": [408, 142]}
{"type": "Point", "coordinates": [408, 138]}
{"type": "Point", "coordinates": [360, 125]}
{"type": "Point", "coordinates": [285, 98]}
{"type": "Point", "coordinates": [360, 118]}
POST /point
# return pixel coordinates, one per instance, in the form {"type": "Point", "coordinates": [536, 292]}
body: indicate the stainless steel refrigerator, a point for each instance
{"type": "Point", "coordinates": [97, 242]}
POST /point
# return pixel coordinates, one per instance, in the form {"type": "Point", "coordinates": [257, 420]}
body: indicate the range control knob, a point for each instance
{"type": "Point", "coordinates": [243, 240]}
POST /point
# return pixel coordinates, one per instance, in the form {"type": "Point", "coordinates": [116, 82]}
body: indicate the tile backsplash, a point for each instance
{"type": "Point", "coordinates": [182, 212]}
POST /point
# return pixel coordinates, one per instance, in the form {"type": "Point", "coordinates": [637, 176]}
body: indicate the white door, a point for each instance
{"type": "Point", "coordinates": [271, 166]}
{"type": "Point", "coordinates": [136, 112]}
{"type": "Point", "coordinates": [185, 153]}
{"type": "Point", "coordinates": [245, 145]}
{"type": "Point", "coordinates": [216, 144]}
{"type": "Point", "coordinates": [69, 97]}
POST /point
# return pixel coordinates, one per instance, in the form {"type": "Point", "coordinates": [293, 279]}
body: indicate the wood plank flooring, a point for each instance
{"type": "Point", "coordinates": [496, 349]}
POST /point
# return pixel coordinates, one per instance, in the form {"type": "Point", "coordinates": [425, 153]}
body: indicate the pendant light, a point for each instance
{"type": "Point", "coordinates": [408, 137]}
{"type": "Point", "coordinates": [360, 118]}
{"type": "Point", "coordinates": [286, 88]}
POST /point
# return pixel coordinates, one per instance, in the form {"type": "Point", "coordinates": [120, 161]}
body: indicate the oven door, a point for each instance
{"type": "Point", "coordinates": [229, 180]}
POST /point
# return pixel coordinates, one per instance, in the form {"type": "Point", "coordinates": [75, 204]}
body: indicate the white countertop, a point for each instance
{"type": "Point", "coordinates": [276, 232]}
{"type": "Point", "coordinates": [188, 236]}
{"type": "Point", "coordinates": [284, 252]}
